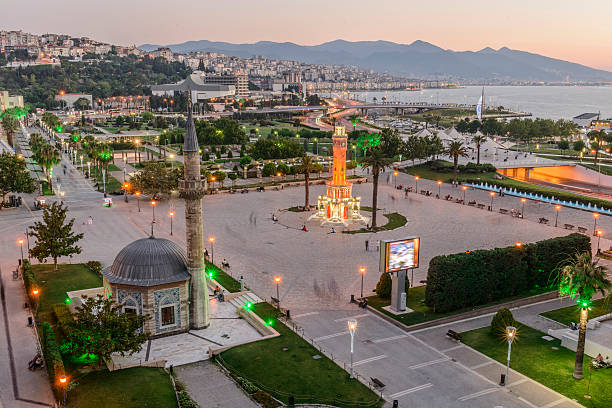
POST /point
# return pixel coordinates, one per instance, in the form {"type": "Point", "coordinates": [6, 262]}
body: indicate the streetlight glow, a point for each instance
{"type": "Point", "coordinates": [277, 279]}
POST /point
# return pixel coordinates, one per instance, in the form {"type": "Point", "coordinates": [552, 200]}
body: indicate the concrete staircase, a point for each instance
{"type": "Point", "coordinates": [240, 301]}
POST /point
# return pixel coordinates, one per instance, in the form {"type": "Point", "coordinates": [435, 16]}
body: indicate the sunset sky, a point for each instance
{"type": "Point", "coordinates": [578, 32]}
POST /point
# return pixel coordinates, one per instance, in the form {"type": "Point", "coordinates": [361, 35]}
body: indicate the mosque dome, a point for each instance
{"type": "Point", "coordinates": [148, 262]}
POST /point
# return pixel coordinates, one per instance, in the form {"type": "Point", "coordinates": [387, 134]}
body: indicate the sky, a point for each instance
{"type": "Point", "coordinates": [577, 32]}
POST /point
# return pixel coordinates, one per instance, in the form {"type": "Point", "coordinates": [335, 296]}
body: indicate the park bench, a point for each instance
{"type": "Point", "coordinates": [503, 211]}
{"type": "Point", "coordinates": [472, 203]}
{"type": "Point", "coordinates": [377, 382]}
{"type": "Point", "coordinates": [543, 220]}
{"type": "Point", "coordinates": [424, 192]}
{"type": "Point", "coordinates": [453, 335]}
{"type": "Point", "coordinates": [481, 206]}
{"type": "Point", "coordinates": [568, 226]}
{"type": "Point", "coordinates": [582, 230]}
{"type": "Point", "coordinates": [459, 201]}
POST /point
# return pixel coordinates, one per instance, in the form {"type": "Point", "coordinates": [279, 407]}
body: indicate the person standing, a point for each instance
{"type": "Point", "coordinates": [367, 245]}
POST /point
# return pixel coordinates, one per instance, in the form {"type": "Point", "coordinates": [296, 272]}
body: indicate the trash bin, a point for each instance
{"type": "Point", "coordinates": [502, 380]}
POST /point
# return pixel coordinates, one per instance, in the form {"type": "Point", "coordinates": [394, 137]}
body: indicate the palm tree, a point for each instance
{"type": "Point", "coordinates": [306, 166]}
{"type": "Point", "coordinates": [580, 279]}
{"type": "Point", "coordinates": [354, 118]}
{"type": "Point", "coordinates": [47, 157]}
{"type": "Point", "coordinates": [478, 139]}
{"type": "Point", "coordinates": [456, 149]}
{"type": "Point", "coordinates": [378, 162]}
{"type": "Point", "coordinates": [10, 126]}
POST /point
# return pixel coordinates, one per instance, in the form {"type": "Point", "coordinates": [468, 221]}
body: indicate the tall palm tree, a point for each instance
{"type": "Point", "coordinates": [47, 157]}
{"type": "Point", "coordinates": [10, 126]}
{"type": "Point", "coordinates": [306, 166]}
{"type": "Point", "coordinates": [377, 161]}
{"type": "Point", "coordinates": [455, 150]}
{"type": "Point", "coordinates": [354, 118]}
{"type": "Point", "coordinates": [478, 139]}
{"type": "Point", "coordinates": [581, 279]}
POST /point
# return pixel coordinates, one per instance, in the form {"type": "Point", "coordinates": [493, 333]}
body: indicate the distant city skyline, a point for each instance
{"type": "Point", "coordinates": [556, 29]}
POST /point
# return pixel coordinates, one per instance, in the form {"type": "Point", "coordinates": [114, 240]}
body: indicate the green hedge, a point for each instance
{"type": "Point", "coordinates": [478, 277]}
{"type": "Point", "coordinates": [63, 316]}
{"type": "Point", "coordinates": [53, 358]}
{"type": "Point", "coordinates": [29, 279]}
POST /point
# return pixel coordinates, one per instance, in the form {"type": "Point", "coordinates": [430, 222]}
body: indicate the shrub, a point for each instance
{"type": "Point", "coordinates": [29, 279]}
{"type": "Point", "coordinates": [265, 399]}
{"type": "Point", "coordinates": [478, 277]}
{"type": "Point", "coordinates": [246, 385]}
{"type": "Point", "coordinates": [383, 287]}
{"type": "Point", "coordinates": [63, 316]}
{"type": "Point", "coordinates": [95, 267]}
{"type": "Point", "coordinates": [53, 358]}
{"type": "Point", "coordinates": [502, 319]}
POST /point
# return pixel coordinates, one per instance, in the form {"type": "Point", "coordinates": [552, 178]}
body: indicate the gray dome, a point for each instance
{"type": "Point", "coordinates": [148, 262]}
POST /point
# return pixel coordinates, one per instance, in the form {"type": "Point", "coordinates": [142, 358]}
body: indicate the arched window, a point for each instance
{"type": "Point", "coordinates": [167, 312]}
{"type": "Point", "coordinates": [130, 305]}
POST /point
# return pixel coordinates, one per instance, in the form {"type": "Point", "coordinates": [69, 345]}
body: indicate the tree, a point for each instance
{"type": "Point", "coordinates": [156, 179]}
{"type": "Point", "coordinates": [101, 328]}
{"type": "Point", "coordinates": [220, 177]}
{"type": "Point", "coordinates": [47, 157]}
{"type": "Point", "coordinates": [354, 118]}
{"type": "Point", "coordinates": [377, 161]}
{"type": "Point", "coordinates": [563, 145]}
{"type": "Point", "coordinates": [10, 126]}
{"type": "Point", "coordinates": [306, 166]}
{"type": "Point", "coordinates": [580, 279]}
{"type": "Point", "coordinates": [269, 169]}
{"type": "Point", "coordinates": [502, 319]}
{"type": "Point", "coordinates": [478, 139]}
{"type": "Point", "coordinates": [54, 236]}
{"type": "Point", "coordinates": [455, 150]}
{"type": "Point", "coordinates": [233, 176]}
{"type": "Point", "coordinates": [578, 145]}
{"type": "Point", "coordinates": [383, 287]}
{"type": "Point", "coordinates": [14, 177]}
{"type": "Point", "coordinates": [81, 104]}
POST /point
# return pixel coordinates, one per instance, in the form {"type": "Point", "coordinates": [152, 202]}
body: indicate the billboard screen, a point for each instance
{"type": "Point", "coordinates": [402, 254]}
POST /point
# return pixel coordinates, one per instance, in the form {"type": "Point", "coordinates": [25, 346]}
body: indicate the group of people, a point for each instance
{"type": "Point", "coordinates": [599, 362]}
{"type": "Point", "coordinates": [516, 213]}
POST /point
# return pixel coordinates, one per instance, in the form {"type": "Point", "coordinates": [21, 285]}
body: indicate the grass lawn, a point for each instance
{"type": "Point", "coordinates": [570, 314]}
{"type": "Point", "coordinates": [132, 387]}
{"type": "Point", "coordinates": [295, 371]}
{"type": "Point", "coordinates": [45, 188]}
{"type": "Point", "coordinates": [394, 221]}
{"type": "Point", "coordinates": [54, 285]}
{"type": "Point", "coordinates": [534, 357]}
{"type": "Point", "coordinates": [422, 313]}
{"type": "Point", "coordinates": [112, 167]}
{"type": "Point", "coordinates": [229, 283]}
{"type": "Point", "coordinates": [112, 184]}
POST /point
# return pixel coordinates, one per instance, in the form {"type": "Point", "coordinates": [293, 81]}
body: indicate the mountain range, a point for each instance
{"type": "Point", "coordinates": [419, 59]}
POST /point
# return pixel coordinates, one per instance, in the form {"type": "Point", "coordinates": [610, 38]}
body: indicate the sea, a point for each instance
{"type": "Point", "coordinates": [547, 102]}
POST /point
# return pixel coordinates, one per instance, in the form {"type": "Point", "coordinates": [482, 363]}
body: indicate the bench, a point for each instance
{"type": "Point", "coordinates": [377, 382]}
{"type": "Point", "coordinates": [481, 206]}
{"type": "Point", "coordinates": [543, 220]}
{"type": "Point", "coordinates": [503, 211]}
{"type": "Point", "coordinates": [582, 230]}
{"type": "Point", "coordinates": [472, 203]}
{"type": "Point", "coordinates": [568, 226]}
{"type": "Point", "coordinates": [424, 192]}
{"type": "Point", "coordinates": [453, 335]}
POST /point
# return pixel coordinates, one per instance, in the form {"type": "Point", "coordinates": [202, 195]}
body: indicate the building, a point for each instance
{"type": "Point", "coordinates": [68, 99]}
{"type": "Point", "coordinates": [585, 119]}
{"type": "Point", "coordinates": [10, 101]}
{"type": "Point", "coordinates": [338, 206]}
{"type": "Point", "coordinates": [155, 276]}
{"type": "Point", "coordinates": [200, 91]}
{"type": "Point", "coordinates": [239, 81]}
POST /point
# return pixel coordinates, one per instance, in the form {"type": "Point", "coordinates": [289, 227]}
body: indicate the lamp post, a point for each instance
{"type": "Point", "coordinates": [171, 214]}
{"type": "Point", "coordinates": [362, 271]}
{"type": "Point", "coordinates": [277, 280]}
{"type": "Point", "coordinates": [599, 234]}
{"type": "Point", "coordinates": [137, 193]}
{"type": "Point", "coordinates": [464, 188]}
{"type": "Point", "coordinates": [278, 174]}
{"type": "Point", "coordinates": [395, 173]}
{"type": "Point", "coordinates": [20, 242]}
{"type": "Point", "coordinates": [510, 335]}
{"type": "Point", "coordinates": [64, 383]}
{"type": "Point", "coordinates": [125, 189]}
{"type": "Point", "coordinates": [171, 160]}
{"type": "Point", "coordinates": [212, 249]}
{"type": "Point", "coordinates": [595, 216]}
{"type": "Point", "coordinates": [416, 184]}
{"type": "Point", "coordinates": [352, 326]}
{"type": "Point", "coordinates": [35, 293]}
{"type": "Point", "coordinates": [523, 201]}
{"type": "Point", "coordinates": [439, 186]}
{"type": "Point", "coordinates": [492, 194]}
{"type": "Point", "coordinates": [557, 208]}
{"type": "Point", "coordinates": [153, 204]}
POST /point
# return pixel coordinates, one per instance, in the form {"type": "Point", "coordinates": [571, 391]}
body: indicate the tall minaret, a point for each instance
{"type": "Point", "coordinates": [192, 191]}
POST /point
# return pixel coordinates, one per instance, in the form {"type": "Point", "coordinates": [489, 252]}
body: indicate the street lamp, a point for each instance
{"type": "Point", "coordinates": [64, 384]}
{"type": "Point", "coordinates": [362, 271]}
{"type": "Point", "coordinates": [557, 208]}
{"type": "Point", "coordinates": [492, 194]}
{"type": "Point", "coordinates": [439, 185]}
{"type": "Point", "coordinates": [518, 244]}
{"type": "Point", "coordinates": [35, 293]}
{"type": "Point", "coordinates": [278, 174]}
{"type": "Point", "coordinates": [277, 280]}
{"type": "Point", "coordinates": [137, 193]}
{"type": "Point", "coordinates": [416, 182]}
{"type": "Point", "coordinates": [20, 242]}
{"type": "Point", "coordinates": [599, 234]}
{"type": "Point", "coordinates": [395, 173]}
{"type": "Point", "coordinates": [464, 188]}
{"type": "Point", "coordinates": [510, 335]}
{"type": "Point", "coordinates": [212, 249]}
{"type": "Point", "coordinates": [125, 189]}
{"type": "Point", "coordinates": [171, 214]}
{"type": "Point", "coordinates": [352, 326]}
{"type": "Point", "coordinates": [523, 201]}
{"type": "Point", "coordinates": [153, 204]}
{"type": "Point", "coordinates": [172, 160]}
{"type": "Point", "coordinates": [596, 216]}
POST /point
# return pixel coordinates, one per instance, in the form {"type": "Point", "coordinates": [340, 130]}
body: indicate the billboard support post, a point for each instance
{"type": "Point", "coordinates": [398, 291]}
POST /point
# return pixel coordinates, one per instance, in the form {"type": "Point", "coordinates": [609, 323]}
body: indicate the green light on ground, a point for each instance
{"type": "Point", "coordinates": [248, 306]}
{"type": "Point", "coordinates": [68, 300]}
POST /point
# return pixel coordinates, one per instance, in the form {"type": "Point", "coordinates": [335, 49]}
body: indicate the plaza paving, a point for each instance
{"type": "Point", "coordinates": [319, 270]}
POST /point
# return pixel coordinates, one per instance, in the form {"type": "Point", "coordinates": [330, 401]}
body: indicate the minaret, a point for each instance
{"type": "Point", "coordinates": [192, 190]}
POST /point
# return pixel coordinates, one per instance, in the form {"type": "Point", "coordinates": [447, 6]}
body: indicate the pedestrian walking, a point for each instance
{"type": "Point", "coordinates": [90, 220]}
{"type": "Point", "coordinates": [367, 245]}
